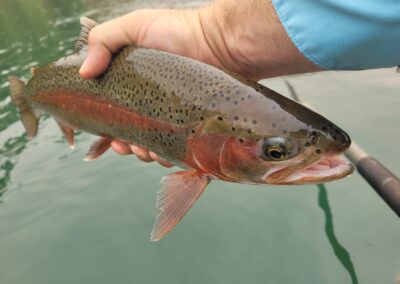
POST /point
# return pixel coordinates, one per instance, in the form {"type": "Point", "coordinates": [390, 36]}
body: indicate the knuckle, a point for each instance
{"type": "Point", "coordinates": [94, 36]}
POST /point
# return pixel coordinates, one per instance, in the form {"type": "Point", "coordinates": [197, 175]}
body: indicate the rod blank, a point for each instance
{"type": "Point", "coordinates": [385, 183]}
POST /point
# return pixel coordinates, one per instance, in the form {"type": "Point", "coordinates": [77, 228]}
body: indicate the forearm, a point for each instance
{"type": "Point", "coordinates": [249, 39]}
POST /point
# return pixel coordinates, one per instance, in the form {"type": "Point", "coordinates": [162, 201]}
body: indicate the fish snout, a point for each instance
{"type": "Point", "coordinates": [339, 141]}
{"type": "Point", "coordinates": [330, 141]}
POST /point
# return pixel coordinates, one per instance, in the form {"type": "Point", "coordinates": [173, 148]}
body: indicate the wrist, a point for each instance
{"type": "Point", "coordinates": [249, 39]}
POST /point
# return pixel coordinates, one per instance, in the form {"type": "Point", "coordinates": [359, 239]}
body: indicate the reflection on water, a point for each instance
{"type": "Point", "coordinates": [340, 251]}
{"type": "Point", "coordinates": [8, 154]}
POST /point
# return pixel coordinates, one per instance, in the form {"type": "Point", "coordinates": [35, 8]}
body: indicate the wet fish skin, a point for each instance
{"type": "Point", "coordinates": [175, 102]}
{"type": "Point", "coordinates": [209, 121]}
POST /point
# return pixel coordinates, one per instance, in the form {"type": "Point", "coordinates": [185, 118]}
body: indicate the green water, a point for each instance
{"type": "Point", "coordinates": [66, 221]}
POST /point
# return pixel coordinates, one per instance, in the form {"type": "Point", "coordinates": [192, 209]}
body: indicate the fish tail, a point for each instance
{"type": "Point", "coordinates": [27, 115]}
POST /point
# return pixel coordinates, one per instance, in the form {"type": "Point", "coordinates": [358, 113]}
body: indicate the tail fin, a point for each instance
{"type": "Point", "coordinates": [28, 118]}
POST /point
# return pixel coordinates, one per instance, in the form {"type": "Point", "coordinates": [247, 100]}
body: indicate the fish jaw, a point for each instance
{"type": "Point", "coordinates": [325, 169]}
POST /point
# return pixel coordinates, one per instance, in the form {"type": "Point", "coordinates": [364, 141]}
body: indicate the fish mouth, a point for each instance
{"type": "Point", "coordinates": [323, 170]}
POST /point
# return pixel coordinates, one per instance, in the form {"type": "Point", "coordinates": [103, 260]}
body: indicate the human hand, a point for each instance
{"type": "Point", "coordinates": [246, 39]}
{"type": "Point", "coordinates": [141, 153]}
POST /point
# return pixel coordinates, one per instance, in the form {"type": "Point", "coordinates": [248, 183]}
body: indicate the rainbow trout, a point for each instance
{"type": "Point", "coordinates": [210, 122]}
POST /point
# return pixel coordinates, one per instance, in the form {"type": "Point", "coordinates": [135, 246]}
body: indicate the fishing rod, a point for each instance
{"type": "Point", "coordinates": [382, 180]}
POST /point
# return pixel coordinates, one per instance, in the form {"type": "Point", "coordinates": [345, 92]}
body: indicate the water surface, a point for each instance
{"type": "Point", "coordinates": [66, 221]}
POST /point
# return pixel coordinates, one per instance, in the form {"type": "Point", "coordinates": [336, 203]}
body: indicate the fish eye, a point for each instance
{"type": "Point", "coordinates": [275, 153]}
{"type": "Point", "coordinates": [276, 149]}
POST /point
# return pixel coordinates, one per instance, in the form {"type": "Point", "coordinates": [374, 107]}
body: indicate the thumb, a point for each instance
{"type": "Point", "coordinates": [104, 40]}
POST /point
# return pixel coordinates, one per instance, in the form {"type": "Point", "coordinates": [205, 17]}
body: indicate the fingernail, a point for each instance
{"type": "Point", "coordinates": [83, 69]}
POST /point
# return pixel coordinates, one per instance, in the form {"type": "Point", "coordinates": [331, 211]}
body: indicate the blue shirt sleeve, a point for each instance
{"type": "Point", "coordinates": [344, 34]}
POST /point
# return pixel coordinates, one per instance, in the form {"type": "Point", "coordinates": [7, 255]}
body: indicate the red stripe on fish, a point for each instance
{"type": "Point", "coordinates": [102, 110]}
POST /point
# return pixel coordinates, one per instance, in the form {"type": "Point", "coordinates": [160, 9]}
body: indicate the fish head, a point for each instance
{"type": "Point", "coordinates": [278, 159]}
{"type": "Point", "coordinates": [278, 141]}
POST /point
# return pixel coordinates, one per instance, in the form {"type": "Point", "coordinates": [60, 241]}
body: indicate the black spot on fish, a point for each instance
{"type": "Point", "coordinates": [318, 151]}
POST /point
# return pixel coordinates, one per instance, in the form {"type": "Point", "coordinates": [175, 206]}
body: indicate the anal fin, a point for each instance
{"type": "Point", "coordinates": [68, 133]}
{"type": "Point", "coordinates": [98, 148]}
{"type": "Point", "coordinates": [179, 191]}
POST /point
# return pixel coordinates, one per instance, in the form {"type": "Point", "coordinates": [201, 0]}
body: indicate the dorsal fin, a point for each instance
{"type": "Point", "coordinates": [86, 26]}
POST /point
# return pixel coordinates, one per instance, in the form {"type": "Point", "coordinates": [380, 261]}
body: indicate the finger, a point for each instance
{"type": "Point", "coordinates": [104, 40]}
{"type": "Point", "coordinates": [96, 62]}
{"type": "Point", "coordinates": [121, 148]}
{"type": "Point", "coordinates": [160, 161]}
{"type": "Point", "coordinates": [142, 153]}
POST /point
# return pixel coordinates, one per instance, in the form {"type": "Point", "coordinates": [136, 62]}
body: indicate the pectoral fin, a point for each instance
{"type": "Point", "coordinates": [179, 191]}
{"type": "Point", "coordinates": [98, 148]}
